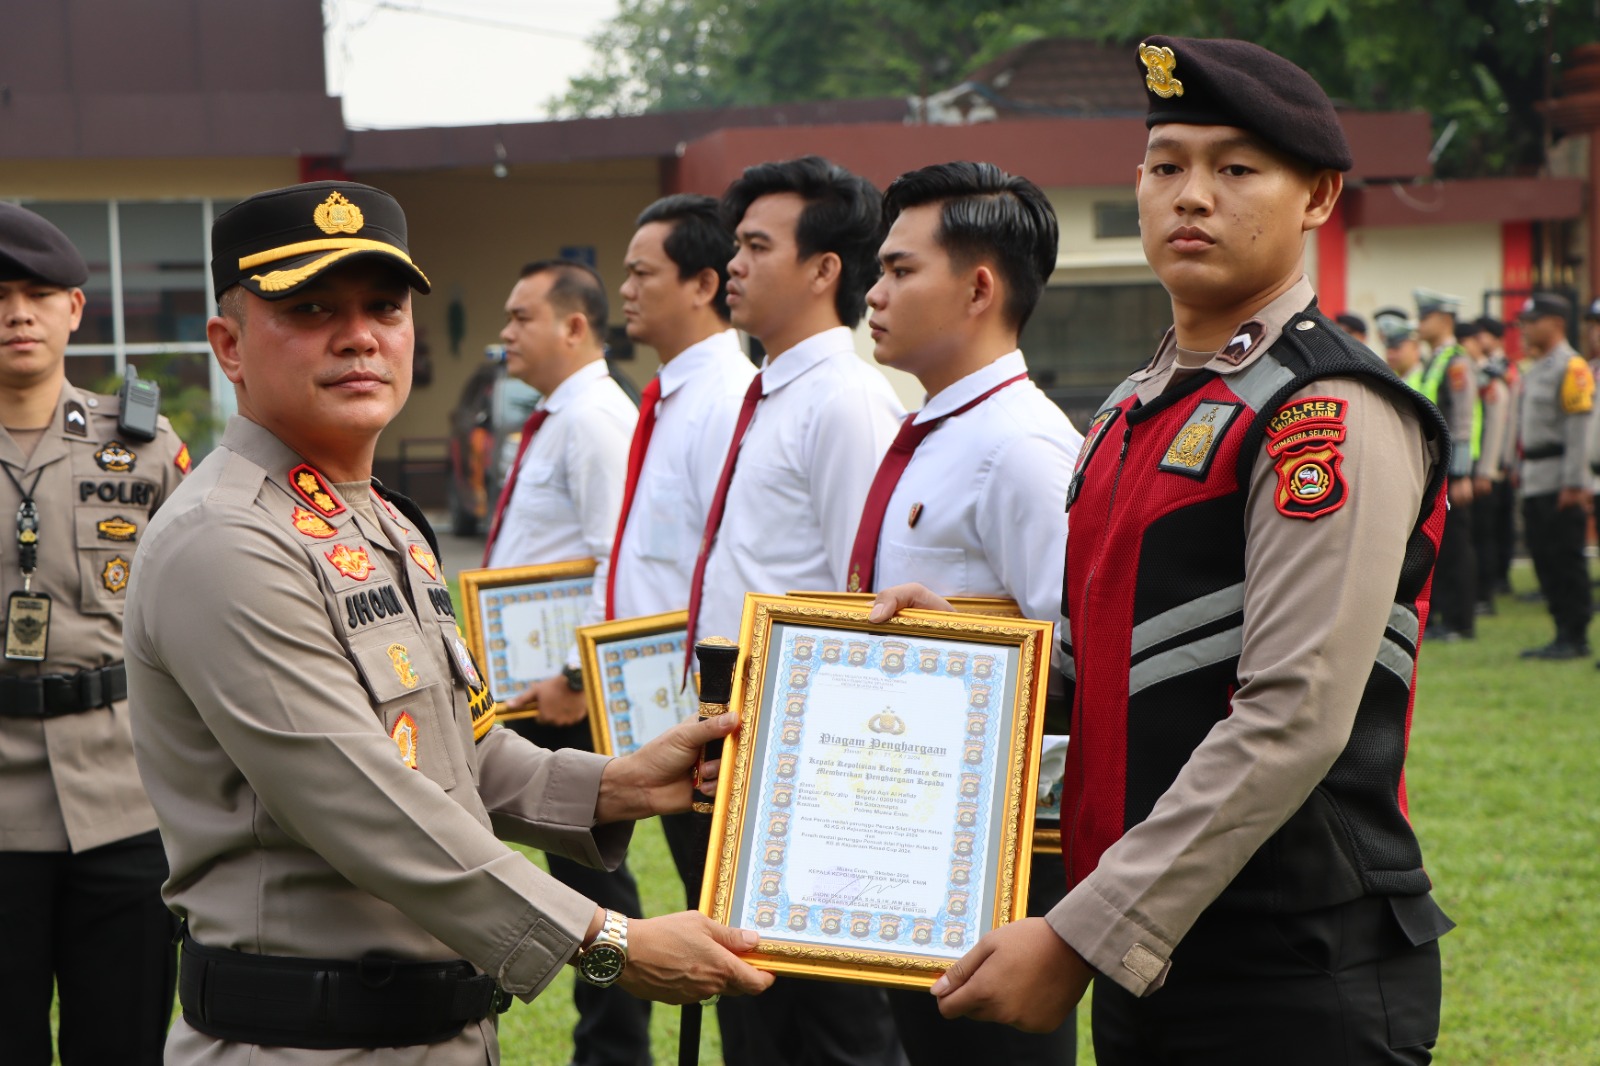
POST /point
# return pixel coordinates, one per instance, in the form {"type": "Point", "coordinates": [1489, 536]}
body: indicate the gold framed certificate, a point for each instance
{"type": "Point", "coordinates": [634, 679]}
{"type": "Point", "coordinates": [522, 620]}
{"type": "Point", "coordinates": [999, 606]}
{"type": "Point", "coordinates": [875, 810]}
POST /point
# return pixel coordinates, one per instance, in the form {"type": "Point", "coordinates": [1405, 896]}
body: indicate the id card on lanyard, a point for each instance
{"type": "Point", "coordinates": [27, 612]}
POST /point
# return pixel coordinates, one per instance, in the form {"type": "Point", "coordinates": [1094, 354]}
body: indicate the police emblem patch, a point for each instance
{"type": "Point", "coordinates": [353, 563]}
{"type": "Point", "coordinates": [1577, 387]}
{"type": "Point", "coordinates": [1159, 64]}
{"type": "Point", "coordinates": [115, 575]}
{"type": "Point", "coordinates": [182, 460]}
{"type": "Point", "coordinates": [337, 214]}
{"type": "Point", "coordinates": [404, 735]}
{"type": "Point", "coordinates": [1195, 443]}
{"type": "Point", "coordinates": [1304, 437]}
{"type": "Point", "coordinates": [314, 490]}
{"type": "Point", "coordinates": [114, 457]}
{"type": "Point", "coordinates": [425, 559]}
{"type": "Point", "coordinates": [116, 528]}
{"type": "Point", "coordinates": [400, 659]}
{"type": "Point", "coordinates": [312, 525]}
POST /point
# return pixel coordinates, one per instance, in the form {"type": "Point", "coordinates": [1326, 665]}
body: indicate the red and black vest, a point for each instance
{"type": "Point", "coordinates": [1154, 602]}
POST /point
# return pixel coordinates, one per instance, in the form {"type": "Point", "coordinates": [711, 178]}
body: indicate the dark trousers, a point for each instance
{"type": "Point", "coordinates": [1343, 986]}
{"type": "Point", "coordinates": [92, 924]}
{"type": "Point", "coordinates": [1555, 540]}
{"type": "Point", "coordinates": [613, 1027]}
{"type": "Point", "coordinates": [930, 1039]}
{"type": "Point", "coordinates": [1504, 506]}
{"type": "Point", "coordinates": [798, 1022]}
{"type": "Point", "coordinates": [1485, 546]}
{"type": "Point", "coordinates": [1455, 578]}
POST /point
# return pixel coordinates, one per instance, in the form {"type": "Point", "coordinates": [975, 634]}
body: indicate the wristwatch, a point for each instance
{"type": "Point", "coordinates": [602, 961]}
{"type": "Point", "coordinates": [574, 676]}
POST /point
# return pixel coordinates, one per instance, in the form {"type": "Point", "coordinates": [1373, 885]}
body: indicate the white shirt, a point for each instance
{"type": "Point", "coordinates": [701, 391]}
{"type": "Point", "coordinates": [990, 490]}
{"type": "Point", "coordinates": [808, 460]}
{"type": "Point", "coordinates": [569, 485]}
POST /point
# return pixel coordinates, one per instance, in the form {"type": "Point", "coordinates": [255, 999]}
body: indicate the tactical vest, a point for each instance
{"type": "Point", "coordinates": [1432, 387]}
{"type": "Point", "coordinates": [1154, 598]}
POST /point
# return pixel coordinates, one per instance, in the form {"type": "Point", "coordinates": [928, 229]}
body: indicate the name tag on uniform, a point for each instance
{"type": "Point", "coordinates": [27, 626]}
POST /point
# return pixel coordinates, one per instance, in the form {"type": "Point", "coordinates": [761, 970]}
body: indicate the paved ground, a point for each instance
{"type": "Point", "coordinates": [458, 553]}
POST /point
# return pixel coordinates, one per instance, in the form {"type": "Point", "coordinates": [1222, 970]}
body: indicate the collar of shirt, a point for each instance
{"type": "Point", "coordinates": [577, 383]}
{"type": "Point", "coordinates": [972, 386]}
{"type": "Point", "coordinates": [51, 444]}
{"type": "Point", "coordinates": [696, 358]}
{"type": "Point", "coordinates": [1254, 336]}
{"type": "Point", "coordinates": [778, 370]}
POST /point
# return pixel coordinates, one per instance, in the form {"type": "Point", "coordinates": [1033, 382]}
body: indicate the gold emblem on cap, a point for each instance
{"type": "Point", "coordinates": [338, 215]}
{"type": "Point", "coordinates": [1159, 63]}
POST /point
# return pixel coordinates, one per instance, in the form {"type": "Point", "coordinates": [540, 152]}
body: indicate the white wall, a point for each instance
{"type": "Point", "coordinates": [1386, 264]}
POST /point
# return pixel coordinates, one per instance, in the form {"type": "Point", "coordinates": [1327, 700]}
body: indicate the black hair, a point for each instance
{"type": "Point", "coordinates": [1353, 323]}
{"type": "Point", "coordinates": [699, 240]}
{"type": "Point", "coordinates": [1491, 325]}
{"type": "Point", "coordinates": [1466, 329]}
{"type": "Point", "coordinates": [577, 287]}
{"type": "Point", "coordinates": [986, 213]}
{"type": "Point", "coordinates": [843, 215]}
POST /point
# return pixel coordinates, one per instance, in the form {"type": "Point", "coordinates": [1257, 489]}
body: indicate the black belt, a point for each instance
{"type": "Point", "coordinates": [1545, 451]}
{"type": "Point", "coordinates": [276, 1001]}
{"type": "Point", "coordinates": [53, 695]}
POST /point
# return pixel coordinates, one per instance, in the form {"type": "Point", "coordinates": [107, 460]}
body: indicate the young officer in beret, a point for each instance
{"type": "Point", "coordinates": [1243, 880]}
{"type": "Point", "coordinates": [81, 865]}
{"type": "Point", "coordinates": [317, 741]}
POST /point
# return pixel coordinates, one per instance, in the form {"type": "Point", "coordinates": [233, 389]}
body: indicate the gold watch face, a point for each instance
{"type": "Point", "coordinates": [602, 964]}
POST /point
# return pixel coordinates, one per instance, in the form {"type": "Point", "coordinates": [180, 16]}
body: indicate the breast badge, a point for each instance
{"type": "Point", "coordinates": [404, 735]}
{"type": "Point", "coordinates": [115, 575]}
{"type": "Point", "coordinates": [1304, 438]}
{"type": "Point", "coordinates": [1159, 64]}
{"type": "Point", "coordinates": [315, 491]}
{"type": "Point", "coordinates": [312, 525]}
{"type": "Point", "coordinates": [400, 659]}
{"type": "Point", "coordinates": [425, 559]}
{"type": "Point", "coordinates": [117, 528]}
{"type": "Point", "coordinates": [353, 563]}
{"type": "Point", "coordinates": [1196, 441]}
{"type": "Point", "coordinates": [115, 458]}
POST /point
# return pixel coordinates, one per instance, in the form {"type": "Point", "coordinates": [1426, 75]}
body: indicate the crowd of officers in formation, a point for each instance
{"type": "Point", "coordinates": [321, 753]}
{"type": "Point", "coordinates": [1529, 431]}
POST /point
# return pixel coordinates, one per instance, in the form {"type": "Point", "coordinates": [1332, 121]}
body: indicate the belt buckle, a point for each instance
{"type": "Point", "coordinates": [91, 690]}
{"type": "Point", "coordinates": [500, 1001]}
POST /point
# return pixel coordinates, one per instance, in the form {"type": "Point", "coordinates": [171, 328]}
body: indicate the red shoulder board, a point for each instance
{"type": "Point", "coordinates": [1304, 437]}
{"type": "Point", "coordinates": [315, 491]}
{"type": "Point", "coordinates": [181, 460]}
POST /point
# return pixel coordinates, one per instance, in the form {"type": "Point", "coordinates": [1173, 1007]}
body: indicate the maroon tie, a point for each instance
{"type": "Point", "coordinates": [636, 451]}
{"type": "Point", "coordinates": [529, 428]}
{"type": "Point", "coordinates": [864, 554]}
{"type": "Point", "coordinates": [752, 397]}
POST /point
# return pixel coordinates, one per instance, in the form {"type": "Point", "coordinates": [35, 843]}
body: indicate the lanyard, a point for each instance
{"type": "Point", "coordinates": [27, 526]}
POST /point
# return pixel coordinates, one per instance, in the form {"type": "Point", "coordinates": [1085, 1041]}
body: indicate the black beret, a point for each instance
{"type": "Point", "coordinates": [1491, 326]}
{"type": "Point", "coordinates": [1199, 82]}
{"type": "Point", "coordinates": [1546, 305]}
{"type": "Point", "coordinates": [1352, 322]}
{"type": "Point", "coordinates": [32, 247]}
{"type": "Point", "coordinates": [276, 242]}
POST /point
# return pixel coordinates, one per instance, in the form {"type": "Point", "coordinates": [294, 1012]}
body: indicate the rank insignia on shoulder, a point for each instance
{"type": "Point", "coordinates": [116, 528]}
{"type": "Point", "coordinates": [401, 660]}
{"type": "Point", "coordinates": [115, 575]}
{"type": "Point", "coordinates": [1304, 437]}
{"type": "Point", "coordinates": [182, 460]}
{"type": "Point", "coordinates": [1196, 441]}
{"type": "Point", "coordinates": [353, 563]}
{"type": "Point", "coordinates": [404, 735]}
{"type": "Point", "coordinates": [312, 525]}
{"type": "Point", "coordinates": [425, 559]}
{"type": "Point", "coordinates": [75, 419]}
{"type": "Point", "coordinates": [115, 457]}
{"type": "Point", "coordinates": [916, 513]}
{"type": "Point", "coordinates": [315, 491]}
{"type": "Point", "coordinates": [1577, 387]}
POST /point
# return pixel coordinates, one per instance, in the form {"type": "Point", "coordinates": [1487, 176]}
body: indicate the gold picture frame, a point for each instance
{"type": "Point", "coordinates": [997, 606]}
{"type": "Point", "coordinates": [633, 679]}
{"type": "Point", "coordinates": [521, 621]}
{"type": "Point", "coordinates": [928, 837]}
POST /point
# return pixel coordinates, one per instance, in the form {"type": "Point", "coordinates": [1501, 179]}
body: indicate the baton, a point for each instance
{"type": "Point", "coordinates": [718, 656]}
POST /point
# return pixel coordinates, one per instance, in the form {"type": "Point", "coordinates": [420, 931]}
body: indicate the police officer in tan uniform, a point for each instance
{"type": "Point", "coordinates": [81, 865]}
{"type": "Point", "coordinates": [316, 738]}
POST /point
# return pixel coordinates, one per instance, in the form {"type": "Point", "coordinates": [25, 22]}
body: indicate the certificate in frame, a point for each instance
{"type": "Point", "coordinates": [875, 810]}
{"type": "Point", "coordinates": [634, 679]}
{"type": "Point", "coordinates": [522, 620]}
{"type": "Point", "coordinates": [998, 606]}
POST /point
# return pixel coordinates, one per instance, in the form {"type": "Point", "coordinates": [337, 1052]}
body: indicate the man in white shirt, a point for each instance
{"type": "Point", "coordinates": [561, 501]}
{"type": "Point", "coordinates": [968, 500]}
{"type": "Point", "coordinates": [810, 433]}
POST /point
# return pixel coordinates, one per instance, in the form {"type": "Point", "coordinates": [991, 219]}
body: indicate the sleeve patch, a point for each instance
{"type": "Point", "coordinates": [1304, 438]}
{"type": "Point", "coordinates": [1460, 377]}
{"type": "Point", "coordinates": [181, 460]}
{"type": "Point", "coordinates": [1577, 387]}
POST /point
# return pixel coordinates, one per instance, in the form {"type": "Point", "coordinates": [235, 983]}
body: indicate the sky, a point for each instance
{"type": "Point", "coordinates": [455, 62]}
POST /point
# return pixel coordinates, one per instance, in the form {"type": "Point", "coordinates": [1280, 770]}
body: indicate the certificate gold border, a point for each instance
{"type": "Point", "coordinates": [997, 606]}
{"type": "Point", "coordinates": [738, 781]}
{"type": "Point", "coordinates": [474, 581]}
{"type": "Point", "coordinates": [592, 639]}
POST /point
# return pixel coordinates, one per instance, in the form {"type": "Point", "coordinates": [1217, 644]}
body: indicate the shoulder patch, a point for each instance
{"type": "Point", "coordinates": [182, 460]}
{"type": "Point", "coordinates": [1304, 438]}
{"type": "Point", "coordinates": [1196, 442]}
{"type": "Point", "coordinates": [312, 525]}
{"type": "Point", "coordinates": [353, 563]}
{"type": "Point", "coordinates": [1577, 387]}
{"type": "Point", "coordinates": [1460, 376]}
{"type": "Point", "coordinates": [305, 480]}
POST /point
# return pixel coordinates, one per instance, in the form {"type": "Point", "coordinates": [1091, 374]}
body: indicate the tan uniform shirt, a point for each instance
{"type": "Point", "coordinates": [282, 662]}
{"type": "Point", "coordinates": [69, 783]}
{"type": "Point", "coordinates": [1310, 637]}
{"type": "Point", "coordinates": [1495, 399]}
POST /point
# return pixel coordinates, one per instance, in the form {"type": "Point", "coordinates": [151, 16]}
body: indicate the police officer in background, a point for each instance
{"type": "Point", "coordinates": [81, 865]}
{"type": "Point", "coordinates": [1557, 420]}
{"type": "Point", "coordinates": [1401, 349]}
{"type": "Point", "coordinates": [1354, 325]}
{"type": "Point", "coordinates": [1494, 405]}
{"type": "Point", "coordinates": [1503, 500]}
{"type": "Point", "coordinates": [1451, 382]}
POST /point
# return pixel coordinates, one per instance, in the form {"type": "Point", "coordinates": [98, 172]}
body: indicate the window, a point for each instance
{"type": "Point", "coordinates": [1083, 339]}
{"type": "Point", "coordinates": [1120, 219]}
